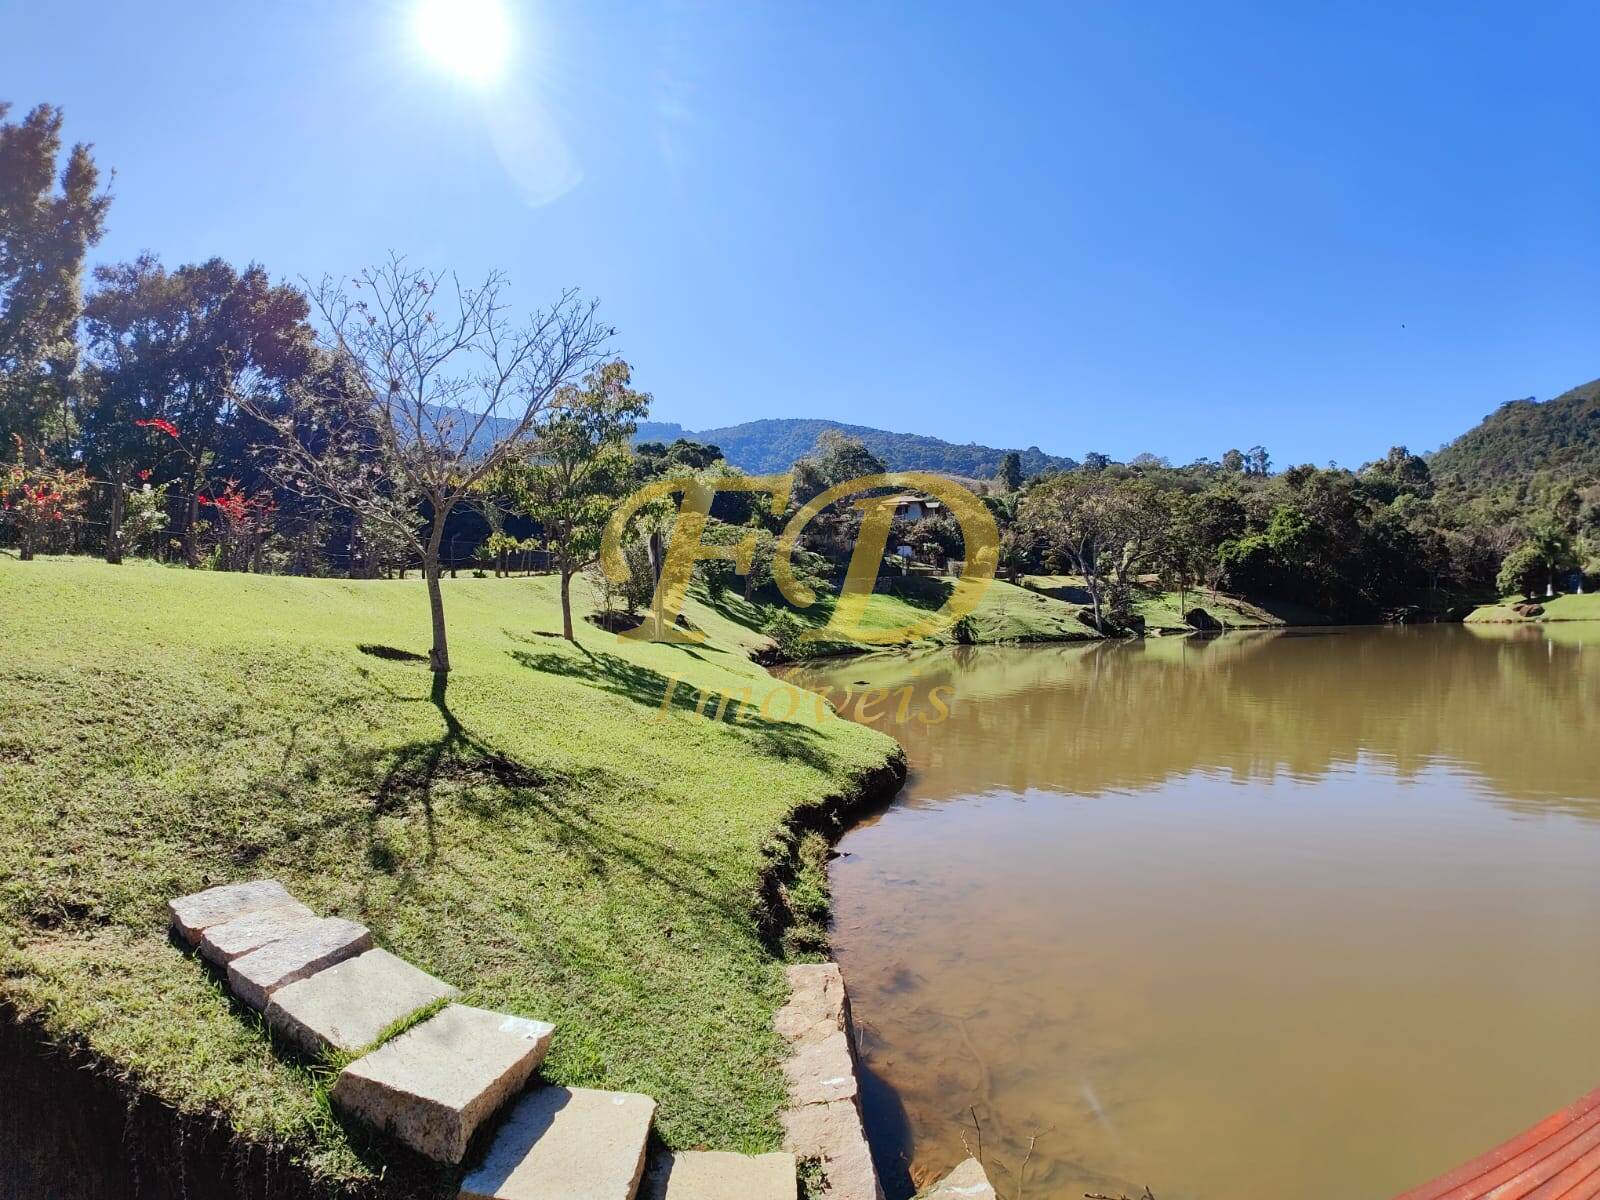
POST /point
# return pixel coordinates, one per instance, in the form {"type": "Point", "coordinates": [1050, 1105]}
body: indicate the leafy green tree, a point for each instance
{"type": "Point", "coordinates": [1523, 570]}
{"type": "Point", "coordinates": [1399, 473]}
{"type": "Point", "coordinates": [1009, 476]}
{"type": "Point", "coordinates": [1181, 552]}
{"type": "Point", "coordinates": [835, 459]}
{"type": "Point", "coordinates": [1233, 462]}
{"type": "Point", "coordinates": [1079, 519]}
{"type": "Point", "coordinates": [45, 235]}
{"type": "Point", "coordinates": [578, 469]}
{"type": "Point", "coordinates": [191, 348]}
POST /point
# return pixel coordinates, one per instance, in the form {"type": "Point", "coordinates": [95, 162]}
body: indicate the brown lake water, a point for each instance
{"type": "Point", "coordinates": [1312, 914]}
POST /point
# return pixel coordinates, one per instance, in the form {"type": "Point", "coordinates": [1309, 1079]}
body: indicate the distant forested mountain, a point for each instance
{"type": "Point", "coordinates": [774, 445]}
{"type": "Point", "coordinates": [1521, 439]}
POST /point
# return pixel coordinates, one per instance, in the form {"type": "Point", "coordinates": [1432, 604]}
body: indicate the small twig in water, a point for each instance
{"type": "Point", "coordinates": [973, 1109]}
{"type": "Point", "coordinates": [1022, 1171]}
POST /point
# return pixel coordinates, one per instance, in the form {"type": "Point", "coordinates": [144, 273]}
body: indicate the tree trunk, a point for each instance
{"type": "Point", "coordinates": [351, 543]}
{"type": "Point", "coordinates": [439, 655]}
{"type": "Point", "coordinates": [566, 603]}
{"type": "Point", "coordinates": [191, 547]}
{"type": "Point", "coordinates": [114, 521]}
{"type": "Point", "coordinates": [25, 547]}
{"type": "Point", "coordinates": [657, 562]}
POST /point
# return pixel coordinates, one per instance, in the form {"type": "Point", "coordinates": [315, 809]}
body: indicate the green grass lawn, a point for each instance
{"type": "Point", "coordinates": [1005, 613]}
{"type": "Point", "coordinates": [1560, 608]}
{"type": "Point", "coordinates": [548, 840]}
{"type": "Point", "coordinates": [1164, 610]}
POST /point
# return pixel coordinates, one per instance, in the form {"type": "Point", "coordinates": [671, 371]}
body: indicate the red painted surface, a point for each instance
{"type": "Point", "coordinates": [1558, 1159]}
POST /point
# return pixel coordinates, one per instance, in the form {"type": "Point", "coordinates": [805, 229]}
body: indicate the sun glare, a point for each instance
{"type": "Point", "coordinates": [469, 38]}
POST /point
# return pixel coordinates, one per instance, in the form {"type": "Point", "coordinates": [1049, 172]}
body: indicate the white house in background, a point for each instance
{"type": "Point", "coordinates": [915, 508]}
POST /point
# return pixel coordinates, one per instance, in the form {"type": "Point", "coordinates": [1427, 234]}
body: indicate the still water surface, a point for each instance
{"type": "Point", "coordinates": [1307, 914]}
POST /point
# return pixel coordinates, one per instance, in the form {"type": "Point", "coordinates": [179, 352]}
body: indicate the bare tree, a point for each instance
{"type": "Point", "coordinates": [429, 386]}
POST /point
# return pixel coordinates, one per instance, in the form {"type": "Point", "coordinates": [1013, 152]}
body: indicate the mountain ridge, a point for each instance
{"type": "Point", "coordinates": [775, 443]}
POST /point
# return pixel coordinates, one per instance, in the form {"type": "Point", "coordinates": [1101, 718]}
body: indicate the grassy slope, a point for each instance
{"type": "Point", "coordinates": [1561, 608]}
{"type": "Point", "coordinates": [1006, 613]}
{"type": "Point", "coordinates": [162, 731]}
{"type": "Point", "coordinates": [1164, 610]}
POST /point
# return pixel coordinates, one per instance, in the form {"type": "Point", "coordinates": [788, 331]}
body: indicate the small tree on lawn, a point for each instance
{"type": "Point", "coordinates": [37, 497]}
{"type": "Point", "coordinates": [245, 522]}
{"type": "Point", "coordinates": [1080, 520]}
{"type": "Point", "coordinates": [1522, 571]}
{"type": "Point", "coordinates": [579, 467]}
{"type": "Point", "coordinates": [430, 387]}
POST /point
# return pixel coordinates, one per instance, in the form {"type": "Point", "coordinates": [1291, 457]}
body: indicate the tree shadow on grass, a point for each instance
{"type": "Point", "coordinates": [1067, 593]}
{"type": "Point", "coordinates": [488, 783]}
{"type": "Point", "coordinates": [737, 710]}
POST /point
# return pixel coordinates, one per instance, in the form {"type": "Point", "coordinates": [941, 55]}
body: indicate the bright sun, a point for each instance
{"type": "Point", "coordinates": [469, 38]}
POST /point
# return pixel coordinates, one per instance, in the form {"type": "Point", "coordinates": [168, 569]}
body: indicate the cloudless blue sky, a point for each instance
{"type": "Point", "coordinates": [1172, 227]}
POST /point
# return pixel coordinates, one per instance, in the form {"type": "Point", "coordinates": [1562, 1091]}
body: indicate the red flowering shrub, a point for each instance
{"type": "Point", "coordinates": [245, 522]}
{"type": "Point", "coordinates": [38, 499]}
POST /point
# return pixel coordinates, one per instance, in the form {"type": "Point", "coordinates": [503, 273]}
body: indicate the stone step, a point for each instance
{"type": "Point", "coordinates": [255, 976]}
{"type": "Point", "coordinates": [566, 1144]}
{"type": "Point", "coordinates": [193, 915]}
{"type": "Point", "coordinates": [221, 944]}
{"type": "Point", "coordinates": [695, 1175]}
{"type": "Point", "coordinates": [969, 1181]}
{"type": "Point", "coordinates": [349, 1005]}
{"type": "Point", "coordinates": [432, 1086]}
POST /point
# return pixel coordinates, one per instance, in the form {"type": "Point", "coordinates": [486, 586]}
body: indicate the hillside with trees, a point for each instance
{"type": "Point", "coordinates": [1524, 441]}
{"type": "Point", "coordinates": [761, 447]}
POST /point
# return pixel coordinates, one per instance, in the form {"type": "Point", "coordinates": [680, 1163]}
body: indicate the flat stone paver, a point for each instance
{"type": "Point", "coordinates": [348, 1005]}
{"type": "Point", "coordinates": [833, 1134]}
{"type": "Point", "coordinates": [824, 1119]}
{"type": "Point", "coordinates": [567, 1144]}
{"type": "Point", "coordinates": [694, 1175]}
{"type": "Point", "coordinates": [223, 943]}
{"type": "Point", "coordinates": [820, 1068]}
{"type": "Point", "coordinates": [969, 1181]}
{"type": "Point", "coordinates": [193, 915]}
{"type": "Point", "coordinates": [816, 996]}
{"type": "Point", "coordinates": [432, 1086]}
{"type": "Point", "coordinates": [254, 977]}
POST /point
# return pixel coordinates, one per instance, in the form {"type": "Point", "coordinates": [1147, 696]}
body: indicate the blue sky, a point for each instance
{"type": "Point", "coordinates": [1171, 227]}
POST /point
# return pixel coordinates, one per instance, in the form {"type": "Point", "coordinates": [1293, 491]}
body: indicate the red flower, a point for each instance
{"type": "Point", "coordinates": [165, 426]}
{"type": "Point", "coordinates": [144, 474]}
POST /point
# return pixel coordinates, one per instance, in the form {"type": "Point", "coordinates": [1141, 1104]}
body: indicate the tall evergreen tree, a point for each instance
{"type": "Point", "coordinates": [44, 237]}
{"type": "Point", "coordinates": [1009, 476]}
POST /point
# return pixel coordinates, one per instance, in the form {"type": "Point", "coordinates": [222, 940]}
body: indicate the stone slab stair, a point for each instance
{"type": "Point", "coordinates": [969, 1181]}
{"type": "Point", "coordinates": [323, 986]}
